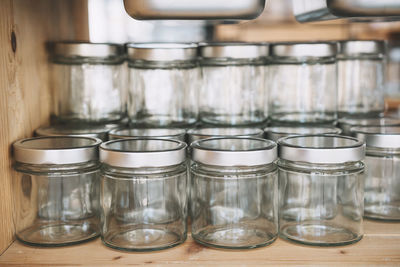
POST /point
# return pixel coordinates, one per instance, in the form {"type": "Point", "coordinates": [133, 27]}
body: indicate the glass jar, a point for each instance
{"type": "Point", "coordinates": [164, 81]}
{"type": "Point", "coordinates": [302, 83]}
{"type": "Point", "coordinates": [347, 123]}
{"type": "Point", "coordinates": [88, 81]}
{"type": "Point", "coordinates": [233, 91]}
{"type": "Point", "coordinates": [57, 190]}
{"type": "Point", "coordinates": [143, 194]}
{"type": "Point", "coordinates": [164, 133]}
{"type": "Point", "coordinates": [382, 179]}
{"type": "Point", "coordinates": [275, 133]}
{"type": "Point", "coordinates": [96, 131]}
{"type": "Point", "coordinates": [321, 189]}
{"type": "Point", "coordinates": [361, 78]}
{"type": "Point", "coordinates": [234, 196]}
{"type": "Point", "coordinates": [204, 133]}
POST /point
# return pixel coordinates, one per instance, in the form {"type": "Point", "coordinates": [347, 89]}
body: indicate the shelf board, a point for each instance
{"type": "Point", "coordinates": [380, 246]}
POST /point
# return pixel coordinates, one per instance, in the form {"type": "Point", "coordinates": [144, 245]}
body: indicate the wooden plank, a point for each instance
{"type": "Point", "coordinates": [380, 246]}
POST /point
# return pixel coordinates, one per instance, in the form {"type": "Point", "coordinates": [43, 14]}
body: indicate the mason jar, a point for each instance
{"type": "Point", "coordinates": [302, 83]}
{"type": "Point", "coordinates": [321, 193]}
{"type": "Point", "coordinates": [57, 190]}
{"type": "Point", "coordinates": [143, 194]}
{"type": "Point", "coordinates": [88, 80]}
{"type": "Point", "coordinates": [234, 196]}
{"type": "Point", "coordinates": [164, 133]}
{"type": "Point", "coordinates": [361, 78]}
{"type": "Point", "coordinates": [96, 131]}
{"type": "Point", "coordinates": [347, 123]}
{"type": "Point", "coordinates": [203, 133]}
{"type": "Point", "coordinates": [275, 133]}
{"type": "Point", "coordinates": [233, 91]}
{"type": "Point", "coordinates": [382, 179]}
{"type": "Point", "coordinates": [164, 81]}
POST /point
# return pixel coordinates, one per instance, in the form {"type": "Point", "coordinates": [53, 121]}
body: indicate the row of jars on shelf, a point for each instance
{"type": "Point", "coordinates": [135, 192]}
{"type": "Point", "coordinates": [175, 85]}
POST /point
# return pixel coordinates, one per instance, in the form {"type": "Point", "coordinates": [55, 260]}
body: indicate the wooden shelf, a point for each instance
{"type": "Point", "coordinates": [380, 246]}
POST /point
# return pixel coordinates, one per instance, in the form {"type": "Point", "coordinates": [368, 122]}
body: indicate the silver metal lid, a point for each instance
{"type": "Point", "coordinates": [357, 47]}
{"type": "Point", "coordinates": [347, 123]}
{"type": "Point", "coordinates": [234, 151]}
{"type": "Point", "coordinates": [164, 133]}
{"type": "Point", "coordinates": [82, 49]}
{"type": "Point", "coordinates": [379, 137]}
{"type": "Point", "coordinates": [321, 149]}
{"type": "Point", "coordinates": [143, 152]}
{"type": "Point", "coordinates": [162, 51]}
{"type": "Point", "coordinates": [100, 132]}
{"type": "Point", "coordinates": [275, 133]}
{"type": "Point", "coordinates": [56, 150]}
{"type": "Point", "coordinates": [203, 133]}
{"type": "Point", "coordinates": [233, 50]}
{"type": "Point", "coordinates": [312, 49]}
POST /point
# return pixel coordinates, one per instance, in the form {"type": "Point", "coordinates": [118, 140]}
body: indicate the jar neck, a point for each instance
{"type": "Point", "coordinates": [56, 168]}
{"type": "Point", "coordinates": [354, 166]}
{"type": "Point", "coordinates": [114, 60]}
{"type": "Point", "coordinates": [380, 152]}
{"type": "Point", "coordinates": [175, 64]}
{"type": "Point", "coordinates": [232, 62]}
{"type": "Point", "coordinates": [231, 170]}
{"type": "Point", "coordinates": [302, 60]}
{"type": "Point", "coordinates": [143, 171]}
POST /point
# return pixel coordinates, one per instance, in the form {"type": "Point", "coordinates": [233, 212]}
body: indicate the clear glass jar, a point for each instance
{"type": "Point", "coordinates": [347, 123]}
{"type": "Point", "coordinates": [204, 133]}
{"type": "Point", "coordinates": [275, 133]}
{"type": "Point", "coordinates": [233, 91]}
{"type": "Point", "coordinates": [88, 81]}
{"type": "Point", "coordinates": [164, 133]}
{"type": "Point", "coordinates": [164, 81]}
{"type": "Point", "coordinates": [57, 190]}
{"type": "Point", "coordinates": [143, 194]}
{"type": "Point", "coordinates": [382, 165]}
{"type": "Point", "coordinates": [234, 196]}
{"type": "Point", "coordinates": [361, 78]}
{"type": "Point", "coordinates": [96, 131]}
{"type": "Point", "coordinates": [302, 83]}
{"type": "Point", "coordinates": [321, 189]}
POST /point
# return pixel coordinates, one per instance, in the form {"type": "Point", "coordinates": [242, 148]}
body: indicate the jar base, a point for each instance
{"type": "Point", "coordinates": [234, 238]}
{"type": "Point", "coordinates": [143, 239]}
{"type": "Point", "coordinates": [319, 235]}
{"type": "Point", "coordinates": [382, 212]}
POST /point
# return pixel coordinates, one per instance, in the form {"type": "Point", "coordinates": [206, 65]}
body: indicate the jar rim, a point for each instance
{"type": "Point", "coordinates": [233, 50]}
{"type": "Point", "coordinates": [209, 132]}
{"type": "Point", "coordinates": [162, 51]}
{"type": "Point", "coordinates": [303, 49]}
{"type": "Point", "coordinates": [361, 47]}
{"type": "Point", "coordinates": [378, 137]}
{"type": "Point", "coordinates": [127, 133]}
{"type": "Point", "coordinates": [86, 49]}
{"type": "Point", "coordinates": [380, 121]}
{"type": "Point", "coordinates": [277, 132]}
{"type": "Point", "coordinates": [100, 132]}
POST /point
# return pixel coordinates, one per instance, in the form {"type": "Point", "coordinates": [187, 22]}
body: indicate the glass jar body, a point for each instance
{"type": "Point", "coordinates": [163, 95]}
{"type": "Point", "coordinates": [144, 209]}
{"type": "Point", "coordinates": [321, 205]}
{"type": "Point", "coordinates": [88, 92]}
{"type": "Point", "coordinates": [58, 204]}
{"type": "Point", "coordinates": [233, 93]}
{"type": "Point", "coordinates": [234, 207]}
{"type": "Point", "coordinates": [361, 87]}
{"type": "Point", "coordinates": [382, 185]}
{"type": "Point", "coordinates": [303, 92]}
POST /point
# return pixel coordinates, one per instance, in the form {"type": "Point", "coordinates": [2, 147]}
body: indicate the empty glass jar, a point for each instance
{"type": "Point", "coordinates": [234, 192]}
{"type": "Point", "coordinates": [382, 179]}
{"type": "Point", "coordinates": [321, 189]}
{"type": "Point", "coordinates": [57, 190]}
{"type": "Point", "coordinates": [97, 131]}
{"type": "Point", "coordinates": [275, 133]}
{"type": "Point", "coordinates": [164, 133]}
{"type": "Point", "coordinates": [361, 78]}
{"type": "Point", "coordinates": [143, 194]}
{"type": "Point", "coordinates": [164, 82]}
{"type": "Point", "coordinates": [89, 82]}
{"type": "Point", "coordinates": [347, 123]}
{"type": "Point", "coordinates": [203, 133]}
{"type": "Point", "coordinates": [302, 83]}
{"type": "Point", "coordinates": [233, 91]}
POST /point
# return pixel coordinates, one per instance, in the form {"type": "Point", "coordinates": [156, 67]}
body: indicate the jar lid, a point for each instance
{"type": "Point", "coordinates": [234, 151]}
{"type": "Point", "coordinates": [85, 49]}
{"type": "Point", "coordinates": [143, 152]}
{"type": "Point", "coordinates": [233, 50]}
{"type": "Point", "coordinates": [100, 132]}
{"type": "Point", "coordinates": [379, 137]}
{"type": "Point", "coordinates": [368, 122]}
{"type": "Point", "coordinates": [56, 150]}
{"type": "Point", "coordinates": [321, 149]}
{"type": "Point", "coordinates": [357, 47]}
{"type": "Point", "coordinates": [275, 133]}
{"type": "Point", "coordinates": [162, 51]}
{"type": "Point", "coordinates": [164, 133]}
{"type": "Point", "coordinates": [310, 49]}
{"type": "Point", "coordinates": [203, 133]}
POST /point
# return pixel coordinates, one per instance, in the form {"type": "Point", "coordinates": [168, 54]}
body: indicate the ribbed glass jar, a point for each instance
{"type": "Point", "coordinates": [57, 190]}
{"type": "Point", "coordinates": [143, 194]}
{"type": "Point", "coordinates": [321, 189]}
{"type": "Point", "coordinates": [234, 192]}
